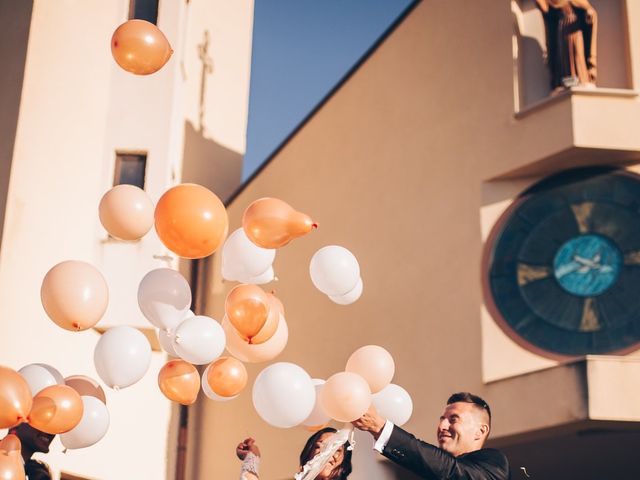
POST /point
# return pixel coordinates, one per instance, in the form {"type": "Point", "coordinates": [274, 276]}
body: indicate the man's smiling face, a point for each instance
{"type": "Point", "coordinates": [461, 428]}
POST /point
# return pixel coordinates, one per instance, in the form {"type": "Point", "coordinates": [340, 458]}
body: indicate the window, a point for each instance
{"type": "Point", "coordinates": [130, 169]}
{"type": "Point", "coordinates": [144, 10]}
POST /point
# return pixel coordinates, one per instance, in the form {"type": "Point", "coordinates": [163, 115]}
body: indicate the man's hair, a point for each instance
{"type": "Point", "coordinates": [467, 397]}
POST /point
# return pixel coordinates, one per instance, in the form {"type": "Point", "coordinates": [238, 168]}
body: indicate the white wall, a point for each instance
{"type": "Point", "coordinates": [77, 109]}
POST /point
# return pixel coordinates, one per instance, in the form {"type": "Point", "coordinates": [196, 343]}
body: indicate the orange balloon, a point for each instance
{"type": "Point", "coordinates": [191, 221]}
{"type": "Point", "coordinates": [56, 409]}
{"type": "Point", "coordinates": [86, 386]}
{"type": "Point", "coordinates": [140, 47]}
{"type": "Point", "coordinates": [15, 398]}
{"type": "Point", "coordinates": [179, 381]}
{"type": "Point", "coordinates": [271, 325]}
{"type": "Point", "coordinates": [272, 223]}
{"type": "Point", "coordinates": [75, 295]}
{"type": "Point", "coordinates": [126, 212]}
{"type": "Point", "coordinates": [227, 376]}
{"type": "Point", "coordinates": [247, 307]}
{"type": "Point", "coordinates": [11, 466]}
{"type": "Point", "coordinates": [267, 351]}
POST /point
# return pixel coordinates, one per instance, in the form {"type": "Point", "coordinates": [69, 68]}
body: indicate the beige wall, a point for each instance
{"type": "Point", "coordinates": [76, 110]}
{"type": "Point", "coordinates": [409, 165]}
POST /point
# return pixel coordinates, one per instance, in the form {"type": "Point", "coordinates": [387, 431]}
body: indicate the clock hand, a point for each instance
{"type": "Point", "coordinates": [568, 268]}
{"type": "Point", "coordinates": [585, 261]}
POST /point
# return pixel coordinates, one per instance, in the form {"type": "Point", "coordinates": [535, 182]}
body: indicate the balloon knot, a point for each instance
{"type": "Point", "coordinates": [76, 325]}
{"type": "Point", "coordinates": [65, 450]}
{"type": "Point", "coordinates": [116, 388]}
{"type": "Point", "coordinates": [315, 225]}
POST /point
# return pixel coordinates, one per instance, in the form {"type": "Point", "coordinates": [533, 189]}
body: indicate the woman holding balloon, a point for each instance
{"type": "Point", "coordinates": [33, 441]}
{"type": "Point", "coordinates": [338, 466]}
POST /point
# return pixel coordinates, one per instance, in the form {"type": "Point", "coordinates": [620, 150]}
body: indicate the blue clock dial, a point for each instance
{"type": "Point", "coordinates": [563, 264]}
{"type": "Point", "coordinates": [587, 265]}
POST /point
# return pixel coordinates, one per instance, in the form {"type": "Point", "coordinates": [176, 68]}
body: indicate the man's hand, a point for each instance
{"type": "Point", "coordinates": [370, 422]}
{"type": "Point", "coordinates": [246, 446]}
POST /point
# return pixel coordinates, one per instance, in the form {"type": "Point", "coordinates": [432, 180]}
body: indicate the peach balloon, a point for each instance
{"type": "Point", "coordinates": [56, 409]}
{"type": "Point", "coordinates": [140, 47]}
{"type": "Point", "coordinates": [271, 325]}
{"type": "Point", "coordinates": [11, 463]}
{"type": "Point", "coordinates": [191, 221]}
{"type": "Point", "coordinates": [345, 397]}
{"type": "Point", "coordinates": [247, 307]}
{"type": "Point", "coordinates": [86, 386]}
{"type": "Point", "coordinates": [245, 352]}
{"type": "Point", "coordinates": [15, 398]}
{"type": "Point", "coordinates": [10, 443]}
{"type": "Point", "coordinates": [374, 364]}
{"type": "Point", "coordinates": [272, 223]}
{"type": "Point", "coordinates": [227, 376]}
{"type": "Point", "coordinates": [75, 295]}
{"type": "Point", "coordinates": [126, 212]}
{"type": "Point", "coordinates": [179, 381]}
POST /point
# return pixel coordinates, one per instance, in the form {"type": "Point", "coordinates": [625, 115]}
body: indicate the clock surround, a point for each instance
{"type": "Point", "coordinates": [561, 267]}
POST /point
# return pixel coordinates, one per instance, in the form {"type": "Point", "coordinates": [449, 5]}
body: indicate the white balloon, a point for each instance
{"type": "Point", "coordinates": [199, 340]}
{"type": "Point", "coordinates": [206, 389]}
{"type": "Point", "coordinates": [40, 375]}
{"type": "Point", "coordinates": [284, 395]}
{"type": "Point", "coordinates": [394, 403]}
{"type": "Point", "coordinates": [166, 337]}
{"type": "Point", "coordinates": [92, 427]}
{"type": "Point", "coordinates": [164, 297]}
{"type": "Point", "coordinates": [318, 416]}
{"type": "Point", "coordinates": [334, 270]}
{"type": "Point", "coordinates": [265, 277]}
{"type": "Point", "coordinates": [122, 356]}
{"type": "Point", "coordinates": [241, 258]}
{"type": "Point", "coordinates": [349, 297]}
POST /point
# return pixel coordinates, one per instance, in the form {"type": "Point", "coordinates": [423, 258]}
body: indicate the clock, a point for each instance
{"type": "Point", "coordinates": [562, 265]}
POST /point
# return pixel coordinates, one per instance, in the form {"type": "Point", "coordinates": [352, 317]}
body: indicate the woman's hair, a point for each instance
{"type": "Point", "coordinates": [340, 473]}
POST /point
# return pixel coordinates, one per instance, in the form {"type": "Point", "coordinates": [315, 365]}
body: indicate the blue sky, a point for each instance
{"type": "Point", "coordinates": [301, 50]}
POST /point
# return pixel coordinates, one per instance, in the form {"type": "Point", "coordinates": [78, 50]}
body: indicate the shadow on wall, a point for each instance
{"type": "Point", "coordinates": [209, 164]}
{"type": "Point", "coordinates": [15, 20]}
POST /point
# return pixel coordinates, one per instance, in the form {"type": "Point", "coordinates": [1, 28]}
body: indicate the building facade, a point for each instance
{"type": "Point", "coordinates": [417, 164]}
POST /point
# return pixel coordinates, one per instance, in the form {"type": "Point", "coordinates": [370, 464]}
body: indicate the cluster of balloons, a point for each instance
{"type": "Point", "coordinates": [139, 47]}
{"type": "Point", "coordinates": [284, 395]}
{"type": "Point", "coordinates": [74, 407]}
{"type": "Point", "coordinates": [189, 219]}
{"type": "Point", "coordinates": [335, 272]}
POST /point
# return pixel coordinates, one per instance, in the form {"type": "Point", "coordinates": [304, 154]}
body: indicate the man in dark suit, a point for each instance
{"type": "Point", "coordinates": [464, 426]}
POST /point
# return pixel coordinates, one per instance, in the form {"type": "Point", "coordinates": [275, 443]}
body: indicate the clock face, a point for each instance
{"type": "Point", "coordinates": [564, 264]}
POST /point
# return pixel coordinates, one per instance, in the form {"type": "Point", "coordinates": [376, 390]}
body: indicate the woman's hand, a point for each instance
{"type": "Point", "coordinates": [246, 446]}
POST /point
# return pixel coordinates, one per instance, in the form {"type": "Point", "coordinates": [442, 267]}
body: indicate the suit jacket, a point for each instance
{"type": "Point", "coordinates": [433, 463]}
